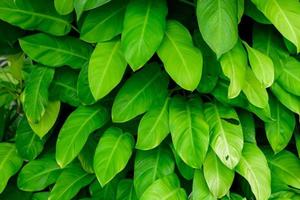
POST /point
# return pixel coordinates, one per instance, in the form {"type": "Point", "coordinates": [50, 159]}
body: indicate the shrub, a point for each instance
{"type": "Point", "coordinates": [149, 99]}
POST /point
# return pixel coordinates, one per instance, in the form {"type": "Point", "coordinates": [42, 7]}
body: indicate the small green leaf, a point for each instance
{"type": "Point", "coordinates": [112, 154]}
{"type": "Point", "coordinates": [181, 59]}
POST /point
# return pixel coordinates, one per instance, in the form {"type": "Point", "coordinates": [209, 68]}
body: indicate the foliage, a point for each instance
{"type": "Point", "coordinates": [150, 99]}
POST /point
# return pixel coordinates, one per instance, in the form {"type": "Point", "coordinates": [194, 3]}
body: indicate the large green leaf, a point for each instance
{"type": "Point", "coordinates": [279, 131]}
{"type": "Point", "coordinates": [218, 177]}
{"type": "Point", "coordinates": [10, 163]}
{"type": "Point", "coordinates": [48, 119]}
{"type": "Point", "coordinates": [76, 129]}
{"type": "Point", "coordinates": [28, 144]}
{"type": "Point", "coordinates": [285, 167]}
{"type": "Point", "coordinates": [144, 27]}
{"type": "Point", "coordinates": [64, 7]}
{"type": "Point", "coordinates": [68, 184]}
{"type": "Point", "coordinates": [36, 92]}
{"type": "Point", "coordinates": [84, 92]}
{"type": "Point", "coordinates": [38, 174]}
{"type": "Point", "coordinates": [262, 66]}
{"type": "Point", "coordinates": [150, 166]}
{"type": "Point", "coordinates": [234, 64]}
{"type": "Point", "coordinates": [106, 68]}
{"type": "Point", "coordinates": [284, 15]}
{"type": "Point", "coordinates": [167, 188]}
{"type": "Point", "coordinates": [126, 190]}
{"type": "Point", "coordinates": [182, 60]}
{"type": "Point", "coordinates": [103, 23]}
{"type": "Point", "coordinates": [213, 16]}
{"type": "Point", "coordinates": [189, 130]}
{"type": "Point", "coordinates": [66, 50]}
{"type": "Point", "coordinates": [200, 187]}
{"type": "Point", "coordinates": [226, 134]}
{"type": "Point", "coordinates": [154, 126]}
{"type": "Point", "coordinates": [35, 15]}
{"type": "Point", "coordinates": [139, 92]}
{"type": "Point", "coordinates": [112, 154]}
{"type": "Point", "coordinates": [254, 168]}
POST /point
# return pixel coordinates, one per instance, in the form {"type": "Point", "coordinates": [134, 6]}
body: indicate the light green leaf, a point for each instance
{"type": "Point", "coordinates": [226, 134]}
{"type": "Point", "coordinates": [66, 50]}
{"type": "Point", "coordinates": [38, 174]}
{"type": "Point", "coordinates": [189, 130]}
{"type": "Point", "coordinates": [139, 92]}
{"type": "Point", "coordinates": [35, 15]}
{"type": "Point", "coordinates": [254, 90]}
{"type": "Point", "coordinates": [285, 167]}
{"type": "Point", "coordinates": [234, 64]}
{"type": "Point", "coordinates": [28, 144]}
{"type": "Point", "coordinates": [279, 131]}
{"type": "Point", "coordinates": [150, 166]}
{"type": "Point", "coordinates": [254, 168]}
{"type": "Point", "coordinates": [36, 92]}
{"type": "Point", "coordinates": [84, 92]}
{"type": "Point", "coordinates": [262, 66]}
{"type": "Point", "coordinates": [186, 171]}
{"type": "Point", "coordinates": [287, 195]}
{"type": "Point", "coordinates": [106, 68]}
{"type": "Point", "coordinates": [76, 129]}
{"type": "Point", "coordinates": [167, 188]}
{"type": "Point", "coordinates": [10, 163]}
{"type": "Point", "coordinates": [144, 27]}
{"type": "Point", "coordinates": [103, 23]}
{"type": "Point", "coordinates": [248, 126]}
{"type": "Point", "coordinates": [289, 100]}
{"type": "Point", "coordinates": [240, 9]}
{"type": "Point", "coordinates": [48, 119]}
{"type": "Point", "coordinates": [85, 158]}
{"type": "Point", "coordinates": [126, 190]}
{"type": "Point", "coordinates": [218, 177]}
{"type": "Point", "coordinates": [200, 187]}
{"type": "Point", "coordinates": [154, 126]}
{"type": "Point", "coordinates": [284, 16]}
{"type": "Point", "coordinates": [181, 59]}
{"type": "Point", "coordinates": [64, 7]}
{"type": "Point", "coordinates": [213, 16]}
{"type": "Point", "coordinates": [112, 154]}
{"type": "Point", "coordinates": [254, 13]}
{"type": "Point", "coordinates": [79, 7]}
{"type": "Point", "coordinates": [68, 184]}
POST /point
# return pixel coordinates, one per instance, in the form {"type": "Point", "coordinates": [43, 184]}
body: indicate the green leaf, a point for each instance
{"type": "Point", "coordinates": [28, 144]}
{"type": "Point", "coordinates": [285, 166]}
{"type": "Point", "coordinates": [254, 90]}
{"type": "Point", "coordinates": [139, 92]}
{"type": "Point", "coordinates": [218, 177]}
{"type": "Point", "coordinates": [226, 134]}
{"type": "Point", "coordinates": [234, 65]}
{"type": "Point", "coordinates": [35, 15]}
{"type": "Point", "coordinates": [85, 158]}
{"type": "Point", "coordinates": [63, 7]}
{"type": "Point", "coordinates": [126, 190]}
{"type": "Point", "coordinates": [186, 171]}
{"type": "Point", "coordinates": [248, 126]}
{"type": "Point", "coordinates": [103, 23]}
{"type": "Point", "coordinates": [10, 163]}
{"type": "Point", "coordinates": [112, 154]}
{"type": "Point", "coordinates": [38, 174]}
{"type": "Point", "coordinates": [150, 166]}
{"type": "Point", "coordinates": [181, 59]}
{"type": "Point", "coordinates": [262, 66]}
{"type": "Point", "coordinates": [66, 50]}
{"type": "Point", "coordinates": [68, 184]}
{"type": "Point", "coordinates": [200, 187]}
{"type": "Point", "coordinates": [75, 131]}
{"type": "Point", "coordinates": [284, 16]}
{"type": "Point", "coordinates": [289, 100]}
{"type": "Point", "coordinates": [154, 126]}
{"type": "Point", "coordinates": [279, 131]}
{"type": "Point", "coordinates": [48, 119]}
{"type": "Point", "coordinates": [167, 187]}
{"type": "Point", "coordinates": [189, 130]}
{"type": "Point", "coordinates": [79, 7]}
{"type": "Point", "coordinates": [297, 138]}
{"type": "Point", "coordinates": [90, 4]}
{"type": "Point", "coordinates": [212, 17]}
{"type": "Point", "coordinates": [40, 196]}
{"type": "Point", "coordinates": [84, 92]}
{"type": "Point", "coordinates": [254, 168]}
{"type": "Point", "coordinates": [108, 192]}
{"type": "Point", "coordinates": [254, 13]}
{"type": "Point", "coordinates": [106, 68]}
{"type": "Point", "coordinates": [36, 92]}
{"type": "Point", "coordinates": [288, 195]}
{"type": "Point", "coordinates": [144, 26]}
